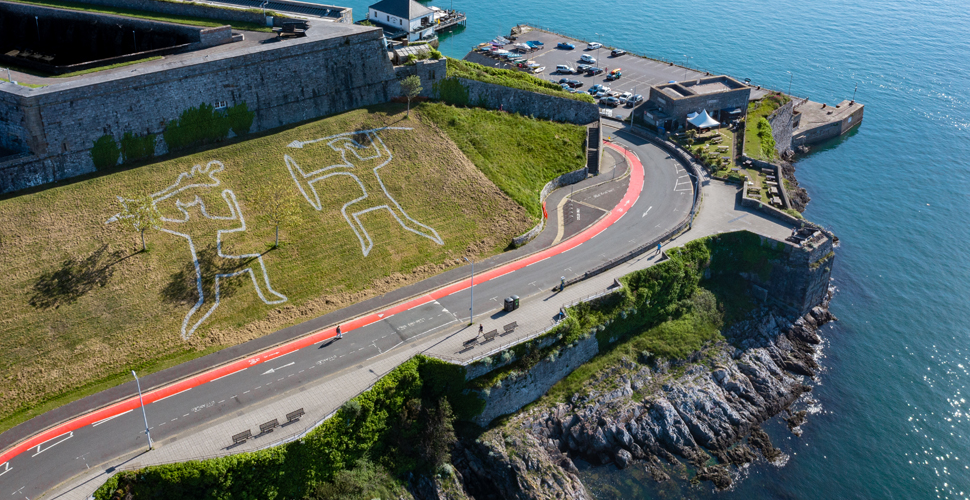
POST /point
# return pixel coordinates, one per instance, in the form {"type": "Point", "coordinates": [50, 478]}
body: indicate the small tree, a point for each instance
{"type": "Point", "coordinates": [276, 205]}
{"type": "Point", "coordinates": [411, 87]}
{"type": "Point", "coordinates": [140, 214]}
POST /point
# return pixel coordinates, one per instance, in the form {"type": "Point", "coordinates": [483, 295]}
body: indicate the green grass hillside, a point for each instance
{"type": "Point", "coordinates": [83, 306]}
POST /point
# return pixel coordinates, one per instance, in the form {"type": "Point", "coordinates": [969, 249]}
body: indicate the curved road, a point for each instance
{"type": "Point", "coordinates": [658, 196]}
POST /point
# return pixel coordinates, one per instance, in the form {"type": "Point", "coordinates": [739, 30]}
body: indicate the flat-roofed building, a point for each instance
{"type": "Point", "coordinates": [723, 97]}
{"type": "Point", "coordinates": [403, 17]}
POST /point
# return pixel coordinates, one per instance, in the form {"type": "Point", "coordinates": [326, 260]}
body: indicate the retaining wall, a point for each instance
{"type": "Point", "coordinates": [295, 81]}
{"type": "Point", "coordinates": [781, 127]}
{"type": "Point", "coordinates": [183, 9]}
{"type": "Point", "coordinates": [528, 103]}
{"type": "Point", "coordinates": [563, 180]}
{"type": "Point", "coordinates": [778, 175]}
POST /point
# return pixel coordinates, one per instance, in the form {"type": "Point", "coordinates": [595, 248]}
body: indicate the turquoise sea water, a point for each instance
{"type": "Point", "coordinates": [892, 406]}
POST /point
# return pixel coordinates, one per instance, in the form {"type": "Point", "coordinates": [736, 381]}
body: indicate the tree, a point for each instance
{"type": "Point", "coordinates": [411, 86]}
{"type": "Point", "coordinates": [439, 435]}
{"type": "Point", "coordinates": [276, 205]}
{"type": "Point", "coordinates": [140, 215]}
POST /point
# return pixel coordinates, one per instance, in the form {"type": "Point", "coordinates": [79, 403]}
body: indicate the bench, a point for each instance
{"type": "Point", "coordinates": [295, 28]}
{"type": "Point", "coordinates": [242, 436]}
{"type": "Point", "coordinates": [293, 416]}
{"type": "Point", "coordinates": [490, 335]}
{"type": "Point", "coordinates": [509, 328]}
{"type": "Point", "coordinates": [268, 426]}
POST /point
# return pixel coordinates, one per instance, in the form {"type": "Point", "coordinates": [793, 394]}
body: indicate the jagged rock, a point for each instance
{"type": "Point", "coordinates": [623, 458]}
{"type": "Point", "coordinates": [719, 475]}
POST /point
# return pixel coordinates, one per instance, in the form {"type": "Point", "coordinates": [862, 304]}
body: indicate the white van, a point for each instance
{"type": "Point", "coordinates": [562, 68]}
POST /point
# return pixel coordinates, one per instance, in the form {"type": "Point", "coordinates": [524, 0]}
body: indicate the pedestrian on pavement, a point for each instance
{"type": "Point", "coordinates": [480, 329]}
{"type": "Point", "coordinates": [562, 283]}
{"type": "Point", "coordinates": [340, 334]}
{"type": "Point", "coordinates": [659, 247]}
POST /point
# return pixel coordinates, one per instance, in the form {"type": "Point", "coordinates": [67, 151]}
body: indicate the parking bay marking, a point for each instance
{"type": "Point", "coordinates": [69, 435]}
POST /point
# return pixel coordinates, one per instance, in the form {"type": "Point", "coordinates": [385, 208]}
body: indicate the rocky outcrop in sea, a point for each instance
{"type": "Point", "coordinates": [657, 414]}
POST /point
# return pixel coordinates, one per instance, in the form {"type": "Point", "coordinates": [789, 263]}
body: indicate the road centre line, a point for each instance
{"type": "Point", "coordinates": [99, 422]}
{"type": "Point", "coordinates": [170, 395]}
{"type": "Point", "coordinates": [226, 375]}
{"type": "Point", "coordinates": [69, 435]}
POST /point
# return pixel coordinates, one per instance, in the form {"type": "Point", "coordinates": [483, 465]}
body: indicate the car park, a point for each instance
{"type": "Point", "coordinates": [586, 58]}
{"type": "Point", "coordinates": [617, 52]}
{"type": "Point", "coordinates": [566, 46]}
{"type": "Point", "coordinates": [593, 45]}
{"type": "Point", "coordinates": [594, 71]}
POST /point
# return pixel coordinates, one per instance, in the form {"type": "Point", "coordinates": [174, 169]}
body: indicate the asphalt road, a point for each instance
{"type": "Point", "coordinates": [664, 200]}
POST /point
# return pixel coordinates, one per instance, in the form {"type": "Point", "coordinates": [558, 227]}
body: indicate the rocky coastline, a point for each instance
{"type": "Point", "coordinates": [696, 419]}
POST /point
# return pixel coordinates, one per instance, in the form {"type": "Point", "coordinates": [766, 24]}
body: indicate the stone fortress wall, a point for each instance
{"type": "Point", "coordinates": [323, 74]}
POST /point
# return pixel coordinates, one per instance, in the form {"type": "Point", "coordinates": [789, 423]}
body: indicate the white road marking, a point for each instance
{"type": "Point", "coordinates": [39, 451]}
{"type": "Point", "coordinates": [183, 416]}
{"type": "Point", "coordinates": [171, 395]}
{"type": "Point", "coordinates": [99, 422]}
{"type": "Point", "coordinates": [6, 468]}
{"type": "Point", "coordinates": [223, 401]}
{"type": "Point", "coordinates": [245, 392]}
{"type": "Point", "coordinates": [648, 211]}
{"type": "Point", "coordinates": [233, 373]}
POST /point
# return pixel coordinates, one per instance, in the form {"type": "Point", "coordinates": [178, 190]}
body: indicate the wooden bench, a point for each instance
{"type": "Point", "coordinates": [242, 436]}
{"type": "Point", "coordinates": [293, 416]}
{"type": "Point", "coordinates": [509, 328]}
{"type": "Point", "coordinates": [490, 335]}
{"type": "Point", "coordinates": [268, 426]}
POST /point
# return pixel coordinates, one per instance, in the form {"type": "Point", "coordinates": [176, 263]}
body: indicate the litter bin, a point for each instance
{"type": "Point", "coordinates": [515, 302]}
{"type": "Point", "coordinates": [509, 304]}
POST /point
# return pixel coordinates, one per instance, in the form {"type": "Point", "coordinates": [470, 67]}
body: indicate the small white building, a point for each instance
{"type": "Point", "coordinates": [403, 16]}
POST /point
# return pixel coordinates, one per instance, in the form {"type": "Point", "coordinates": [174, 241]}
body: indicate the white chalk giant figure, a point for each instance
{"type": "Point", "coordinates": [204, 178]}
{"type": "Point", "coordinates": [357, 157]}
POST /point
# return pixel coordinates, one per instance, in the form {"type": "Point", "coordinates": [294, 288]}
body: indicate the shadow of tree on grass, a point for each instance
{"type": "Point", "coordinates": [183, 286]}
{"type": "Point", "coordinates": [75, 278]}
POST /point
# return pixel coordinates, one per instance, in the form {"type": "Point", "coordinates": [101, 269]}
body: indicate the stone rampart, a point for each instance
{"type": "Point", "coordinates": [781, 127]}
{"type": "Point", "coordinates": [528, 103]}
{"type": "Point", "coordinates": [283, 84]}
{"type": "Point", "coordinates": [563, 180]}
{"type": "Point", "coordinates": [188, 9]}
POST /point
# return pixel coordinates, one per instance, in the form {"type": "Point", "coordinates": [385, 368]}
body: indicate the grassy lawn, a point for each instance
{"type": "Point", "coordinates": [84, 306]}
{"type": "Point", "coordinates": [511, 78]}
{"type": "Point", "coordinates": [520, 155]}
{"type": "Point", "coordinates": [141, 14]}
{"type": "Point", "coordinates": [756, 111]}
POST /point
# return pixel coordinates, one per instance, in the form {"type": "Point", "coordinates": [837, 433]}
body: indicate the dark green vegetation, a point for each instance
{"type": "Point", "coordinates": [154, 16]}
{"type": "Point", "coordinates": [402, 424]}
{"type": "Point", "coordinates": [206, 125]}
{"type": "Point", "coordinates": [758, 141]}
{"type": "Point", "coordinates": [519, 154]}
{"type": "Point", "coordinates": [510, 78]}
{"type": "Point", "coordinates": [666, 311]}
{"type": "Point", "coordinates": [135, 147]}
{"type": "Point", "coordinates": [105, 152]}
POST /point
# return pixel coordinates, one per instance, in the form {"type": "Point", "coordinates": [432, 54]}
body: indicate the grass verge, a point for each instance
{"type": "Point", "coordinates": [519, 154]}
{"type": "Point", "coordinates": [511, 78]}
{"type": "Point", "coordinates": [83, 306]}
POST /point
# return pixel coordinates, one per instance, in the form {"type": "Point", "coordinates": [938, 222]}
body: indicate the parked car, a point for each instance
{"type": "Point", "coordinates": [566, 46]}
{"type": "Point", "coordinates": [614, 75]}
{"type": "Point", "coordinates": [633, 101]}
{"type": "Point", "coordinates": [575, 84]}
{"type": "Point", "coordinates": [582, 68]}
{"type": "Point", "coordinates": [594, 71]}
{"type": "Point", "coordinates": [625, 96]}
{"type": "Point", "coordinates": [535, 43]}
{"type": "Point", "coordinates": [593, 45]}
{"type": "Point", "coordinates": [564, 69]}
{"type": "Point", "coordinates": [586, 58]}
{"type": "Point", "coordinates": [604, 92]}
{"type": "Point", "coordinates": [617, 52]}
{"type": "Point", "coordinates": [595, 88]}
{"type": "Point", "coordinates": [610, 101]}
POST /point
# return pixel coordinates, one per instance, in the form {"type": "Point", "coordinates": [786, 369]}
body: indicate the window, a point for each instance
{"type": "Point", "coordinates": [221, 105]}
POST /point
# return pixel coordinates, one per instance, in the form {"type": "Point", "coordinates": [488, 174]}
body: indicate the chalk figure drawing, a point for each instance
{"type": "Point", "coordinates": [204, 178]}
{"type": "Point", "coordinates": [357, 157]}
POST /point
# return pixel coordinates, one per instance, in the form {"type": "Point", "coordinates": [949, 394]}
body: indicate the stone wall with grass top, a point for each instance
{"type": "Point", "coordinates": [523, 102]}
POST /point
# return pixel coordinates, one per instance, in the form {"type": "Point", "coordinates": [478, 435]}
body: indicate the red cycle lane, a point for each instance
{"type": "Point", "coordinates": [629, 199]}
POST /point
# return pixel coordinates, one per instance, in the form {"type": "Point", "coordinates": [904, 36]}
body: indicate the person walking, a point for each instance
{"type": "Point", "coordinates": [659, 248]}
{"type": "Point", "coordinates": [480, 330]}
{"type": "Point", "coordinates": [340, 334]}
{"type": "Point", "coordinates": [562, 283]}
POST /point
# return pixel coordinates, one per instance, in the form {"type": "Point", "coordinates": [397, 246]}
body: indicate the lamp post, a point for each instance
{"type": "Point", "coordinates": [143, 414]}
{"type": "Point", "coordinates": [471, 309]}
{"type": "Point", "coordinates": [687, 59]}
{"type": "Point", "coordinates": [599, 40]}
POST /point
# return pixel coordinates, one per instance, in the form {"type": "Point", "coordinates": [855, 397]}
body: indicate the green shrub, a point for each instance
{"type": "Point", "coordinates": [105, 152]}
{"type": "Point", "coordinates": [240, 118]}
{"type": "Point", "coordinates": [195, 127]}
{"type": "Point", "coordinates": [135, 148]}
{"type": "Point", "coordinates": [767, 140]}
{"type": "Point", "coordinates": [435, 54]}
{"type": "Point", "coordinates": [451, 91]}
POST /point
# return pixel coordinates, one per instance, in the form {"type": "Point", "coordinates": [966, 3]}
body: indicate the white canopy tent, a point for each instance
{"type": "Point", "coordinates": [703, 120]}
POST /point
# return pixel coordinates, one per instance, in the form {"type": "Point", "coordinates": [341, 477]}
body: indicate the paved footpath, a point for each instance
{"type": "Point", "coordinates": [720, 212]}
